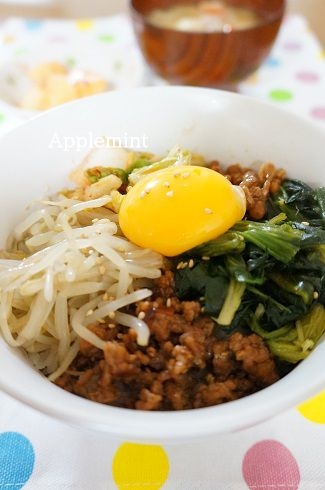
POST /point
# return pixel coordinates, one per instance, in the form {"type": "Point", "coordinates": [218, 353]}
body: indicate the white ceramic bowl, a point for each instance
{"type": "Point", "coordinates": [217, 124]}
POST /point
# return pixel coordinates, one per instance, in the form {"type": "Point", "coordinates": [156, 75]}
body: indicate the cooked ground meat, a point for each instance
{"type": "Point", "coordinates": [184, 366]}
{"type": "Point", "coordinates": [257, 185]}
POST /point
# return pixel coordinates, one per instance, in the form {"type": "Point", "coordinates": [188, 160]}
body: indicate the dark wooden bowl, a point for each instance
{"type": "Point", "coordinates": [206, 59]}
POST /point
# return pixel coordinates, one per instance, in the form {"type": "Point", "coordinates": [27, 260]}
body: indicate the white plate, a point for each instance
{"type": "Point", "coordinates": [105, 47]}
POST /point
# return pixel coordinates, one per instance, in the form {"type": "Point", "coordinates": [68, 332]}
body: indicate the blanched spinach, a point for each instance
{"type": "Point", "coordinates": [266, 276]}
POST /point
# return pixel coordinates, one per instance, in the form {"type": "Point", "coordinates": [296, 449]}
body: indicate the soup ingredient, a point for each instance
{"type": "Point", "coordinates": [54, 83]}
{"type": "Point", "coordinates": [174, 209]}
{"type": "Point", "coordinates": [206, 16]}
{"type": "Point", "coordinates": [75, 271]}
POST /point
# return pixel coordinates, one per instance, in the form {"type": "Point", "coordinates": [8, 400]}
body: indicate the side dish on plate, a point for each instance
{"type": "Point", "coordinates": [53, 83]}
{"type": "Point", "coordinates": [167, 282]}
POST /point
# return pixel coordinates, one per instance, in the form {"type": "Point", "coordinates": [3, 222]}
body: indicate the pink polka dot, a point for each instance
{"type": "Point", "coordinates": [292, 46]}
{"type": "Point", "coordinates": [318, 112]}
{"type": "Point", "coordinates": [307, 76]}
{"type": "Point", "coordinates": [270, 464]}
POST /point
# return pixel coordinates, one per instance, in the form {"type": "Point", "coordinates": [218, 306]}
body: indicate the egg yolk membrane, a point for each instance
{"type": "Point", "coordinates": [175, 209]}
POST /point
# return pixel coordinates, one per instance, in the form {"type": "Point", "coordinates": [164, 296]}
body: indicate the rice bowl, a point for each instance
{"type": "Point", "coordinates": [209, 122]}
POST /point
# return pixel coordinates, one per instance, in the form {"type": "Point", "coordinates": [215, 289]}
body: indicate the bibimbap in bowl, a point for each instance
{"type": "Point", "coordinates": [168, 288]}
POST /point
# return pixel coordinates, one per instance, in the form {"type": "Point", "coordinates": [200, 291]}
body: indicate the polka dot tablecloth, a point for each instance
{"type": "Point", "coordinates": [286, 453]}
{"type": "Point", "coordinates": [293, 76]}
{"type": "Point", "coordinates": [38, 453]}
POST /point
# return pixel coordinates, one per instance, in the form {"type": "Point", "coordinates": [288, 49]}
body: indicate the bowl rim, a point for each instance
{"type": "Point", "coordinates": [175, 426]}
{"type": "Point", "coordinates": [183, 425]}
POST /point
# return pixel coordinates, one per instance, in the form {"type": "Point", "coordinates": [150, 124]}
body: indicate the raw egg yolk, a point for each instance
{"type": "Point", "coordinates": [177, 208]}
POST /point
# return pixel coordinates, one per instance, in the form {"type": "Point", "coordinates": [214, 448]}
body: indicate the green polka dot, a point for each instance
{"type": "Point", "coordinates": [118, 65]}
{"type": "Point", "coordinates": [11, 80]}
{"type": "Point", "coordinates": [281, 95]}
{"type": "Point", "coordinates": [2, 118]}
{"type": "Point", "coordinates": [71, 62]}
{"type": "Point", "coordinates": [106, 38]}
{"type": "Point", "coordinates": [21, 51]}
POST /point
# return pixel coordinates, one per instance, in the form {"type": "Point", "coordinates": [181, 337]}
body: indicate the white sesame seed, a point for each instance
{"type": "Point", "coordinates": [208, 211]}
{"type": "Point", "coordinates": [315, 295]}
{"type": "Point", "coordinates": [105, 297]}
{"type": "Point", "coordinates": [111, 314]}
{"type": "Point", "coordinates": [141, 315]}
{"type": "Point", "coordinates": [101, 320]}
{"type": "Point", "coordinates": [168, 303]}
{"type": "Point", "coordinates": [186, 175]}
{"type": "Point", "coordinates": [170, 193]}
{"type": "Point", "coordinates": [89, 312]}
{"type": "Point", "coordinates": [179, 265]}
{"type": "Point", "coordinates": [191, 263]}
{"type": "Point", "coordinates": [205, 257]}
{"type": "Point", "coordinates": [166, 184]}
{"type": "Point", "coordinates": [111, 325]}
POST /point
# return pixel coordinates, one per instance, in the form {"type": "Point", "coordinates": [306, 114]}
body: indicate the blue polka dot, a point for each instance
{"type": "Point", "coordinates": [16, 460]}
{"type": "Point", "coordinates": [33, 24]}
{"type": "Point", "coordinates": [272, 62]}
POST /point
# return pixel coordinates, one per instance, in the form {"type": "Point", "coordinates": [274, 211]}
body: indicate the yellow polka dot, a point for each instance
{"type": "Point", "coordinates": [322, 55]}
{"type": "Point", "coordinates": [84, 24]}
{"type": "Point", "coordinates": [8, 39]}
{"type": "Point", "coordinates": [140, 467]}
{"type": "Point", "coordinates": [314, 409]}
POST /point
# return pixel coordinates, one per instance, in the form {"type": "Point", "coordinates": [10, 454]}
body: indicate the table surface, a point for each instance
{"type": "Point", "coordinates": [285, 453]}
